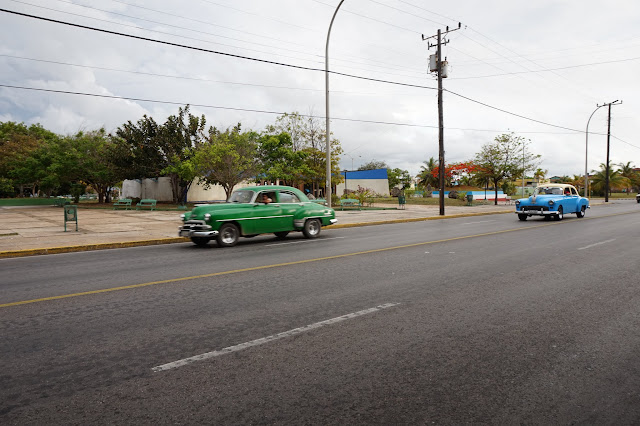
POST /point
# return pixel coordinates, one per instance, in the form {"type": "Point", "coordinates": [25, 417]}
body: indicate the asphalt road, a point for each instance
{"type": "Point", "coordinates": [471, 320]}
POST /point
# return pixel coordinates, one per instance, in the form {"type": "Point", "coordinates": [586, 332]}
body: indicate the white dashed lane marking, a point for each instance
{"type": "Point", "coordinates": [284, 334]}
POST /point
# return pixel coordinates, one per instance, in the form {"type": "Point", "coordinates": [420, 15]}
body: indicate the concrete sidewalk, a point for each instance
{"type": "Point", "coordinates": [26, 231]}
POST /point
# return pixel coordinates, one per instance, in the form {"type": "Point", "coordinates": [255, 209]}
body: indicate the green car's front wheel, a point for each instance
{"type": "Point", "coordinates": [228, 235]}
{"type": "Point", "coordinates": [312, 228]}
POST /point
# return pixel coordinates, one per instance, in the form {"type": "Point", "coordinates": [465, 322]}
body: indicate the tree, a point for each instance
{"type": "Point", "coordinates": [307, 134]}
{"type": "Point", "coordinates": [426, 175]}
{"type": "Point", "coordinates": [93, 154]}
{"type": "Point", "coordinates": [456, 172]}
{"type": "Point", "coordinates": [505, 159]}
{"type": "Point", "coordinates": [398, 177]}
{"type": "Point", "coordinates": [226, 158]}
{"type": "Point", "coordinates": [627, 170]}
{"type": "Point", "coordinates": [24, 154]}
{"type": "Point", "coordinates": [374, 165]}
{"type": "Point", "coordinates": [279, 162]}
{"type": "Point", "coordinates": [539, 175]}
{"type": "Point", "coordinates": [616, 180]}
{"type": "Point", "coordinates": [156, 150]}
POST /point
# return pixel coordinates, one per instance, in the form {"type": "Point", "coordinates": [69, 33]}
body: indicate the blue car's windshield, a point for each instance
{"type": "Point", "coordinates": [241, 197]}
{"type": "Point", "coordinates": [548, 190]}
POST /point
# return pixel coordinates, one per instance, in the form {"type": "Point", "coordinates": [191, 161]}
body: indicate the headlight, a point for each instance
{"type": "Point", "coordinates": [517, 202]}
{"type": "Point", "coordinates": [207, 216]}
{"type": "Point", "coordinates": [182, 216]}
{"type": "Point", "coordinates": [550, 202]}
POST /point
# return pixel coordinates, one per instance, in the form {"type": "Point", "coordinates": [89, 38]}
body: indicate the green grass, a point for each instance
{"type": "Point", "coordinates": [27, 201]}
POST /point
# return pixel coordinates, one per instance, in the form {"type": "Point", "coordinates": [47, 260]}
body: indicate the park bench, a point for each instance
{"type": "Point", "coordinates": [124, 202]}
{"type": "Point", "coordinates": [146, 203]}
{"type": "Point", "coordinates": [349, 202]}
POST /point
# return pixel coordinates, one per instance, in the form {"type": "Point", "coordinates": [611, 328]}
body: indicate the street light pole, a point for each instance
{"type": "Point", "coordinates": [586, 171]}
{"type": "Point", "coordinates": [586, 153]}
{"type": "Point", "coordinates": [328, 129]}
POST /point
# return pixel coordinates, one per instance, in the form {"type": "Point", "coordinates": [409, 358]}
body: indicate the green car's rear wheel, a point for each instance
{"type": "Point", "coordinates": [229, 235]}
{"type": "Point", "coordinates": [312, 228]}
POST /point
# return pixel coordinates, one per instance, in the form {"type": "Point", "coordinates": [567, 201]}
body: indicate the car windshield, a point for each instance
{"type": "Point", "coordinates": [548, 190]}
{"type": "Point", "coordinates": [241, 197]}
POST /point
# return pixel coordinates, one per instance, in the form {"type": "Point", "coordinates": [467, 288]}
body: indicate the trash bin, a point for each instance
{"type": "Point", "coordinates": [401, 201]}
{"type": "Point", "coordinates": [70, 215]}
{"type": "Point", "coordinates": [469, 199]}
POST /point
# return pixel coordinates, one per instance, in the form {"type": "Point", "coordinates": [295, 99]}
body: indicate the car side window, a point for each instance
{"type": "Point", "coordinates": [266, 197]}
{"type": "Point", "coordinates": [573, 191]}
{"type": "Point", "coordinates": [288, 197]}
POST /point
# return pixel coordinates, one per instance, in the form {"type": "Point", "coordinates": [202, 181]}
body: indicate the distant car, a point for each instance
{"type": "Point", "coordinates": [256, 210]}
{"type": "Point", "coordinates": [638, 198]}
{"type": "Point", "coordinates": [552, 200]}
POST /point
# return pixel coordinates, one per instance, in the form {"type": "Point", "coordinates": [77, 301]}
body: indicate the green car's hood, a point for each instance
{"type": "Point", "coordinates": [199, 212]}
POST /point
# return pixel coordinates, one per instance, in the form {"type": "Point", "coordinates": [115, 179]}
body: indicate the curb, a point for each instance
{"type": "Point", "coordinates": [159, 241]}
{"type": "Point", "coordinates": [90, 247]}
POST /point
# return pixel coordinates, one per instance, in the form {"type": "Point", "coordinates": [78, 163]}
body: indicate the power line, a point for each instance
{"type": "Point", "coordinates": [95, 95]}
{"type": "Point", "coordinates": [317, 57]}
{"type": "Point", "coordinates": [549, 69]}
{"type": "Point", "coordinates": [512, 113]}
{"type": "Point", "coordinates": [201, 49]}
{"type": "Point", "coordinates": [188, 78]}
{"type": "Point", "coordinates": [282, 64]}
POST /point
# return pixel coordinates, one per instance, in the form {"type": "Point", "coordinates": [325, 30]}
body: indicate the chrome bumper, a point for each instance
{"type": "Point", "coordinates": [196, 228]}
{"type": "Point", "coordinates": [191, 233]}
{"type": "Point", "coordinates": [333, 221]}
{"type": "Point", "coordinates": [536, 212]}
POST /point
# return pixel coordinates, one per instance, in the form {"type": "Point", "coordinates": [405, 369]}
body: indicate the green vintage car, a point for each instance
{"type": "Point", "coordinates": [256, 210]}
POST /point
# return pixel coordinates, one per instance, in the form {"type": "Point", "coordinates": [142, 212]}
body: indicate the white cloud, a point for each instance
{"type": "Point", "coordinates": [368, 39]}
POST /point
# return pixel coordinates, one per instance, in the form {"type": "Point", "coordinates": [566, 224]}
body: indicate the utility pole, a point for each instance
{"type": "Point", "coordinates": [439, 69]}
{"type": "Point", "coordinates": [606, 185]}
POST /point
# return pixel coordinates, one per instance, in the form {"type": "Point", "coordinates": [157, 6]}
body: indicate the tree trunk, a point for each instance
{"type": "Point", "coordinates": [495, 187]}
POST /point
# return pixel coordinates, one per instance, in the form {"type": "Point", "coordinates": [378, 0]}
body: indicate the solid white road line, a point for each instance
{"type": "Point", "coordinates": [597, 244]}
{"type": "Point", "coordinates": [271, 338]}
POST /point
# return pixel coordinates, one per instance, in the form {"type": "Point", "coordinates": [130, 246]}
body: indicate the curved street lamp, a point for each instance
{"type": "Point", "coordinates": [328, 135]}
{"type": "Point", "coordinates": [586, 154]}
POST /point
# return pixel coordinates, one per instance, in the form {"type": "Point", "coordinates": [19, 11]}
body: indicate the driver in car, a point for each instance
{"type": "Point", "coordinates": [265, 198]}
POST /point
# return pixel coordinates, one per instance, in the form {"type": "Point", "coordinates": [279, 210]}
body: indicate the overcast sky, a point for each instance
{"type": "Point", "coordinates": [536, 68]}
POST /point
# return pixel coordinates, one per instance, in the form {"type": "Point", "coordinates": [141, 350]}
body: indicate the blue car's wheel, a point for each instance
{"type": "Point", "coordinates": [522, 216]}
{"type": "Point", "coordinates": [560, 214]}
{"type": "Point", "coordinates": [582, 211]}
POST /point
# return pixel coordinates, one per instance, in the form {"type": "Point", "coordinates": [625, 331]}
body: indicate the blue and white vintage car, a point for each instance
{"type": "Point", "coordinates": [552, 200]}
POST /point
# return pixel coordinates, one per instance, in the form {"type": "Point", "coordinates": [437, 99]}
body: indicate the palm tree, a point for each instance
{"type": "Point", "coordinates": [616, 180]}
{"type": "Point", "coordinates": [627, 170]}
{"type": "Point", "coordinates": [426, 176]}
{"type": "Point", "coordinates": [577, 181]}
{"type": "Point", "coordinates": [539, 175]}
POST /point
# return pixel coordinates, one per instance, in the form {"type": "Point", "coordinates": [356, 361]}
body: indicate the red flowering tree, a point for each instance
{"type": "Point", "coordinates": [454, 171]}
